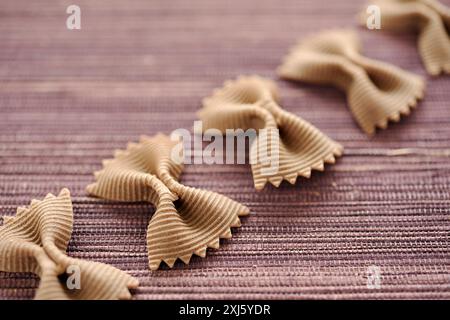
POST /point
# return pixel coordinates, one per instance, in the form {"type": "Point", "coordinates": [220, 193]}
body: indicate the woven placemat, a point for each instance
{"type": "Point", "coordinates": [69, 98]}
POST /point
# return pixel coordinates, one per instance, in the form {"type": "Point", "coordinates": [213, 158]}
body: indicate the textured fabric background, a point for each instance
{"type": "Point", "coordinates": [69, 98]}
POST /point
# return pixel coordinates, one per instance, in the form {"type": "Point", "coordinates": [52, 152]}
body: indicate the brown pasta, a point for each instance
{"type": "Point", "coordinates": [187, 220]}
{"type": "Point", "coordinates": [430, 18]}
{"type": "Point", "coordinates": [376, 92]}
{"type": "Point", "coordinates": [252, 103]}
{"type": "Point", "coordinates": [35, 240]}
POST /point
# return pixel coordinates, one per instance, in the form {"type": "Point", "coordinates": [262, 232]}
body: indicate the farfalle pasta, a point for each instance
{"type": "Point", "coordinates": [376, 92]}
{"type": "Point", "coordinates": [252, 103]}
{"type": "Point", "coordinates": [35, 240]}
{"type": "Point", "coordinates": [432, 21]}
{"type": "Point", "coordinates": [187, 220]}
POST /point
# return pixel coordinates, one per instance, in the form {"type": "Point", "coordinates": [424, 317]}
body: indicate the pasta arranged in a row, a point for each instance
{"type": "Point", "coordinates": [188, 220]}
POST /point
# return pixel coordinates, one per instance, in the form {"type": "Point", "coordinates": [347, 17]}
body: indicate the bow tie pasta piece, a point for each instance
{"type": "Point", "coordinates": [376, 92]}
{"type": "Point", "coordinates": [36, 239]}
{"type": "Point", "coordinates": [177, 230]}
{"type": "Point", "coordinates": [430, 18]}
{"type": "Point", "coordinates": [252, 103]}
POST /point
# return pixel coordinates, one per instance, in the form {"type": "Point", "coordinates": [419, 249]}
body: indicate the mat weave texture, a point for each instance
{"type": "Point", "coordinates": [69, 98]}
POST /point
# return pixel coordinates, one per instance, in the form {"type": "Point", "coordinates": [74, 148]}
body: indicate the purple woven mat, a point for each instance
{"type": "Point", "coordinates": [69, 98]}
